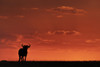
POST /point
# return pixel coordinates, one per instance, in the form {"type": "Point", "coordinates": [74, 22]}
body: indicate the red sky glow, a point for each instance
{"type": "Point", "coordinates": [65, 30]}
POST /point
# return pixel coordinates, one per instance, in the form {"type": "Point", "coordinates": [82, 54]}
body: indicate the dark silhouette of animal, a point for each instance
{"type": "Point", "coordinates": [23, 52]}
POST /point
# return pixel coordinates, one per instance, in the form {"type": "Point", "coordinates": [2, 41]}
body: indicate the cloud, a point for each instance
{"type": "Point", "coordinates": [93, 41]}
{"type": "Point", "coordinates": [63, 32]}
{"type": "Point", "coordinates": [6, 17]}
{"type": "Point", "coordinates": [60, 16]}
{"type": "Point", "coordinates": [73, 32]}
{"type": "Point", "coordinates": [65, 10]}
{"type": "Point", "coordinates": [20, 16]}
{"type": "Point", "coordinates": [9, 40]}
{"type": "Point", "coordinates": [34, 8]}
{"type": "Point", "coordinates": [19, 38]}
{"type": "Point", "coordinates": [3, 40]}
{"type": "Point", "coordinates": [3, 17]}
{"type": "Point", "coordinates": [6, 37]}
{"type": "Point", "coordinates": [44, 40]}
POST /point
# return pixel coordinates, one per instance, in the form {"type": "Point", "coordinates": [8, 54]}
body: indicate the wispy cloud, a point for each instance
{"type": "Point", "coordinates": [59, 16]}
{"type": "Point", "coordinates": [33, 8]}
{"type": "Point", "coordinates": [10, 40]}
{"type": "Point", "coordinates": [3, 17]}
{"type": "Point", "coordinates": [44, 40]}
{"type": "Point", "coordinates": [20, 16]}
{"type": "Point", "coordinates": [19, 38]}
{"type": "Point", "coordinates": [64, 32]}
{"type": "Point", "coordinates": [17, 16]}
{"type": "Point", "coordinates": [92, 41]}
{"type": "Point", "coordinates": [7, 37]}
{"type": "Point", "coordinates": [65, 10]}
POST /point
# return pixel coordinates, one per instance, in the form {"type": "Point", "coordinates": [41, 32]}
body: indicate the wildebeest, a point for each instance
{"type": "Point", "coordinates": [23, 52]}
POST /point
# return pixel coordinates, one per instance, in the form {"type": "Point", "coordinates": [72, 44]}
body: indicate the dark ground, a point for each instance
{"type": "Point", "coordinates": [50, 64]}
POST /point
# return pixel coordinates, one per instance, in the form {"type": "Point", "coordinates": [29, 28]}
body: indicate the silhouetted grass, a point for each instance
{"type": "Point", "coordinates": [50, 64]}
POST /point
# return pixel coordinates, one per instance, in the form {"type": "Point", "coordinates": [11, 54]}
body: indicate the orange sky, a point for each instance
{"type": "Point", "coordinates": [57, 29]}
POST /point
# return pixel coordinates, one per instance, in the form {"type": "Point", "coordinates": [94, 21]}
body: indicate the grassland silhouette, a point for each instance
{"type": "Point", "coordinates": [22, 52]}
{"type": "Point", "coordinates": [50, 64]}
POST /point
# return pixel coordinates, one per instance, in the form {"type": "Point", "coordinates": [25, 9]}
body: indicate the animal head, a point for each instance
{"type": "Point", "coordinates": [26, 46]}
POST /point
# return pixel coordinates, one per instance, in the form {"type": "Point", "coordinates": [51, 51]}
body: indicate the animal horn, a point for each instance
{"type": "Point", "coordinates": [29, 44]}
{"type": "Point", "coordinates": [22, 45]}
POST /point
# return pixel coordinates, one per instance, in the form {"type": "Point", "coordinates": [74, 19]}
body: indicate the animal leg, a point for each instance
{"type": "Point", "coordinates": [22, 58]}
{"type": "Point", "coordinates": [19, 58]}
{"type": "Point", "coordinates": [25, 58]}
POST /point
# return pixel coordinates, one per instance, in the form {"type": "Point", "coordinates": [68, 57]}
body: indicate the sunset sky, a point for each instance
{"type": "Point", "coordinates": [66, 30]}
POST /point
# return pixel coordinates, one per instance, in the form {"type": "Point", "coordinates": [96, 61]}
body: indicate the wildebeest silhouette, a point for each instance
{"type": "Point", "coordinates": [23, 52]}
